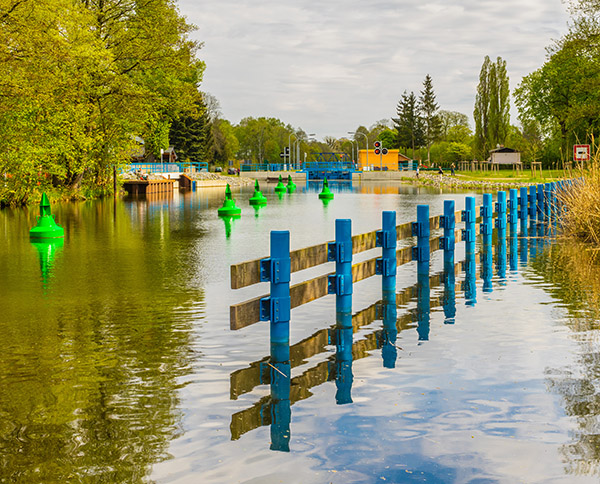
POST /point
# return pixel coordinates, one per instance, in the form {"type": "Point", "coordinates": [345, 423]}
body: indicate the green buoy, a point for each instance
{"type": "Point", "coordinates": [46, 227]}
{"type": "Point", "coordinates": [280, 188]}
{"type": "Point", "coordinates": [229, 208]}
{"type": "Point", "coordinates": [326, 193]}
{"type": "Point", "coordinates": [257, 198]}
{"type": "Point", "coordinates": [291, 186]}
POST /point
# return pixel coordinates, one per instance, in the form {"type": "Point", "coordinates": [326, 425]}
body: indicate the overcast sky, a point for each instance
{"type": "Point", "coordinates": [329, 66]}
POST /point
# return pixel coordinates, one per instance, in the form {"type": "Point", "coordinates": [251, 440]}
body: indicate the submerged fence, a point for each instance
{"type": "Point", "coordinates": [537, 206]}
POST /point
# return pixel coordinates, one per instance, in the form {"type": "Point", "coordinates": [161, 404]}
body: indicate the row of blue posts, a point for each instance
{"type": "Point", "coordinates": [539, 203]}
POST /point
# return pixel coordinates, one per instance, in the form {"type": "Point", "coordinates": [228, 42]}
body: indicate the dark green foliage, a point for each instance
{"type": "Point", "coordinates": [191, 135]}
{"type": "Point", "coordinates": [409, 124]}
{"type": "Point", "coordinates": [432, 125]}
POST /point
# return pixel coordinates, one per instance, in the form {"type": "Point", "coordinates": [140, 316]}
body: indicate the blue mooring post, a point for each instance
{"type": "Point", "coordinates": [514, 254]}
{"type": "Point", "coordinates": [448, 243]}
{"type": "Point", "coordinates": [547, 201]}
{"type": "Point", "coordinates": [540, 202]}
{"type": "Point", "coordinates": [512, 214]}
{"type": "Point", "coordinates": [486, 211]}
{"type": "Point", "coordinates": [340, 284]}
{"type": "Point", "coordinates": [468, 235]}
{"type": "Point", "coordinates": [523, 212]}
{"type": "Point", "coordinates": [532, 203]}
{"type": "Point", "coordinates": [501, 211]}
{"type": "Point", "coordinates": [277, 307]}
{"type": "Point", "coordinates": [468, 217]}
{"type": "Point", "coordinates": [420, 228]}
{"type": "Point", "coordinates": [386, 238]}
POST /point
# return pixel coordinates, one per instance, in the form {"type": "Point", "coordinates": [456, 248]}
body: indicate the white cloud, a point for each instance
{"type": "Point", "coordinates": [328, 67]}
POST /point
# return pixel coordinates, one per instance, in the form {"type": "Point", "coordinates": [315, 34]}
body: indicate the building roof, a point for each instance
{"type": "Point", "coordinates": [503, 149]}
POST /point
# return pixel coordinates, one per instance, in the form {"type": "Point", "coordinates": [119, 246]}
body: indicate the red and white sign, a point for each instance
{"type": "Point", "coordinates": [581, 152]}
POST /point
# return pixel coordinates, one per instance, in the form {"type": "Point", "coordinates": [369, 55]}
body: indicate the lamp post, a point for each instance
{"type": "Point", "coordinates": [366, 142]}
{"type": "Point", "coordinates": [352, 141]}
{"type": "Point", "coordinates": [290, 147]}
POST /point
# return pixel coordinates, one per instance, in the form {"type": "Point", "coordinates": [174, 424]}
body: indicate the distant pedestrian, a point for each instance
{"type": "Point", "coordinates": [417, 171]}
{"type": "Point", "coordinates": [452, 169]}
{"type": "Point", "coordinates": [440, 171]}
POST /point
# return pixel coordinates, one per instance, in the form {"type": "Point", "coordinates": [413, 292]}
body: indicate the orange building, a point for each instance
{"type": "Point", "coordinates": [386, 162]}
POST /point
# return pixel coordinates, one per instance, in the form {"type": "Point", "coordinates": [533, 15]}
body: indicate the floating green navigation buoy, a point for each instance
{"type": "Point", "coordinates": [257, 198]}
{"type": "Point", "coordinates": [291, 186]}
{"type": "Point", "coordinates": [229, 208]}
{"type": "Point", "coordinates": [280, 188]}
{"type": "Point", "coordinates": [326, 193]}
{"type": "Point", "coordinates": [46, 227]}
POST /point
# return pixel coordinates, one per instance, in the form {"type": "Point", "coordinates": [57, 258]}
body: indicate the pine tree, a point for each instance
{"type": "Point", "coordinates": [409, 124]}
{"type": "Point", "coordinates": [191, 135]}
{"type": "Point", "coordinates": [432, 125]}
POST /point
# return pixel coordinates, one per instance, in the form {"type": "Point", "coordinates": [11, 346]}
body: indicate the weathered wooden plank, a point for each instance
{"type": "Point", "coordinates": [248, 273]}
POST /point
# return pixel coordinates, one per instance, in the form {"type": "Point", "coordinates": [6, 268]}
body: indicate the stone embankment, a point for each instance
{"type": "Point", "coordinates": [457, 182]}
{"type": "Point", "coordinates": [206, 178]}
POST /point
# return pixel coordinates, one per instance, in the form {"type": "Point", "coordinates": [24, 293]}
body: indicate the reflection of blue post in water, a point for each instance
{"type": "Point", "coordinates": [486, 234]}
{"type": "Point", "coordinates": [448, 244]}
{"type": "Point", "coordinates": [281, 412]}
{"type": "Point", "coordinates": [420, 228]}
{"type": "Point", "coordinates": [340, 284]}
{"type": "Point", "coordinates": [468, 235]}
{"type": "Point", "coordinates": [532, 203]}
{"type": "Point", "coordinates": [276, 308]}
{"type": "Point", "coordinates": [386, 267]}
{"type": "Point", "coordinates": [501, 242]}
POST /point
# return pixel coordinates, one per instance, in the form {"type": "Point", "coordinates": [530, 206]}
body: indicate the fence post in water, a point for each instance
{"type": "Point", "coordinates": [512, 214]}
{"type": "Point", "coordinates": [547, 201]}
{"type": "Point", "coordinates": [277, 307]}
{"type": "Point", "coordinates": [386, 267]}
{"type": "Point", "coordinates": [486, 253]}
{"type": "Point", "coordinates": [340, 284]}
{"type": "Point", "coordinates": [468, 216]}
{"type": "Point", "coordinates": [486, 214]}
{"type": "Point", "coordinates": [386, 239]}
{"type": "Point", "coordinates": [501, 211]}
{"type": "Point", "coordinates": [501, 226]}
{"type": "Point", "coordinates": [540, 202]}
{"type": "Point", "coordinates": [448, 243]}
{"type": "Point", "coordinates": [532, 203]}
{"type": "Point", "coordinates": [420, 228]}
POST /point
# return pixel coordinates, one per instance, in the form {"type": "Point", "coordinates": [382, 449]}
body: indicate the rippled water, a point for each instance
{"type": "Point", "coordinates": [118, 364]}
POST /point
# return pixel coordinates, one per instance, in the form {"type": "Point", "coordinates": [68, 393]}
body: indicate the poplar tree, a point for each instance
{"type": "Point", "coordinates": [432, 125]}
{"type": "Point", "coordinates": [491, 113]}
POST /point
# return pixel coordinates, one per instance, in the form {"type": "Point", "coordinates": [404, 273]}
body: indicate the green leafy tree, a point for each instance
{"type": "Point", "coordinates": [225, 144]}
{"type": "Point", "coordinates": [78, 79]}
{"type": "Point", "coordinates": [432, 125]}
{"type": "Point", "coordinates": [451, 119]}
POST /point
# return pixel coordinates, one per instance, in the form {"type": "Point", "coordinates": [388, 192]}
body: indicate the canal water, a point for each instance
{"type": "Point", "coordinates": [118, 365]}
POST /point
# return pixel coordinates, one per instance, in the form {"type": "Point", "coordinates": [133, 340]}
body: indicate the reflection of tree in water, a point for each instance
{"type": "Point", "coordinates": [89, 376]}
{"type": "Point", "coordinates": [574, 274]}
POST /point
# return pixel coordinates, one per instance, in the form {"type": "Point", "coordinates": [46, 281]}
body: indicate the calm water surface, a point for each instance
{"type": "Point", "coordinates": [118, 365]}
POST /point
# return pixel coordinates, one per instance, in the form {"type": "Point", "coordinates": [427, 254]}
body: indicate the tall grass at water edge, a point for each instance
{"type": "Point", "coordinates": [581, 219]}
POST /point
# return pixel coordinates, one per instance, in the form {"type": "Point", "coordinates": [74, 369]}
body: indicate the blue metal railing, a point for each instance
{"type": "Point", "coordinates": [166, 167]}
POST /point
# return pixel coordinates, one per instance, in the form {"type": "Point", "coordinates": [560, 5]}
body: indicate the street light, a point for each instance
{"type": "Point", "coordinates": [290, 147]}
{"type": "Point", "coordinates": [298, 160]}
{"type": "Point", "coordinates": [366, 140]}
{"type": "Point", "coordinates": [352, 141]}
